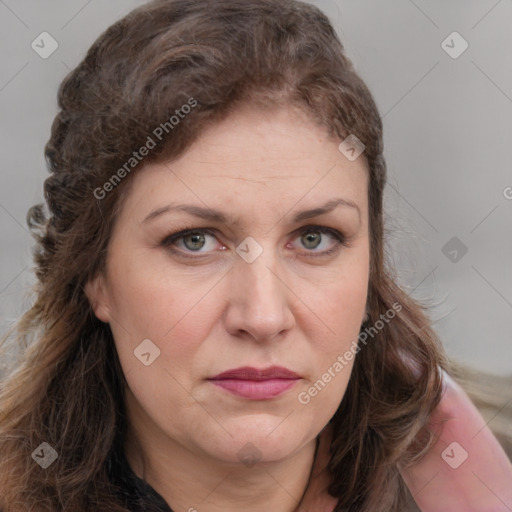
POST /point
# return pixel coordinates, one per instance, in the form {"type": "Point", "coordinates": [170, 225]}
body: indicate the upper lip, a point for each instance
{"type": "Point", "coordinates": [249, 373]}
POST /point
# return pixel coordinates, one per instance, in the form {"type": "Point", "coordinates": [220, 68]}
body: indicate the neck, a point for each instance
{"type": "Point", "coordinates": [190, 482]}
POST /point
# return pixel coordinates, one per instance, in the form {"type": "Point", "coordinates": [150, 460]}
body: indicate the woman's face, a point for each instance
{"type": "Point", "coordinates": [262, 281]}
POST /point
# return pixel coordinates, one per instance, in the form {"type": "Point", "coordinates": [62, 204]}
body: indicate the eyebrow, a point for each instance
{"type": "Point", "coordinates": [213, 215]}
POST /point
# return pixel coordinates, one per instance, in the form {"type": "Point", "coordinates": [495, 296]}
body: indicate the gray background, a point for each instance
{"type": "Point", "coordinates": [447, 138]}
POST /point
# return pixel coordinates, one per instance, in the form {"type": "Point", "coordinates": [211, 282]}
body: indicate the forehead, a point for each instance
{"type": "Point", "coordinates": [253, 160]}
{"type": "Point", "coordinates": [285, 134]}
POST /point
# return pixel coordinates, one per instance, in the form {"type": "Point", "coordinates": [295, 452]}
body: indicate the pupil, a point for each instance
{"type": "Point", "coordinates": [310, 237]}
{"type": "Point", "coordinates": [195, 239]}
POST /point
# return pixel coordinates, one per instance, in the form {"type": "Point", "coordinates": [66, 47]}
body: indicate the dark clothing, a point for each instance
{"type": "Point", "coordinates": [136, 494]}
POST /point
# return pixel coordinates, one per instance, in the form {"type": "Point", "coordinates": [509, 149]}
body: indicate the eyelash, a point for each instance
{"type": "Point", "coordinates": [184, 230]}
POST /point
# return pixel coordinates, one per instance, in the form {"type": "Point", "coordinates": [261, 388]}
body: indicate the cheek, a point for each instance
{"type": "Point", "coordinates": [172, 312]}
{"type": "Point", "coordinates": [348, 303]}
{"type": "Point", "coordinates": [152, 298]}
{"type": "Point", "coordinates": [176, 316]}
{"type": "Point", "coordinates": [338, 302]}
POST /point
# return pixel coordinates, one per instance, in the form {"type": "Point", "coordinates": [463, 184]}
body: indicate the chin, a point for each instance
{"type": "Point", "coordinates": [262, 439]}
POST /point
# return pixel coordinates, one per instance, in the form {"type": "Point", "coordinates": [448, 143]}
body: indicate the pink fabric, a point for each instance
{"type": "Point", "coordinates": [465, 471]}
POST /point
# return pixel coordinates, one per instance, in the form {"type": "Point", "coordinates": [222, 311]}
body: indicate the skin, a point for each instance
{"type": "Point", "coordinates": [290, 307]}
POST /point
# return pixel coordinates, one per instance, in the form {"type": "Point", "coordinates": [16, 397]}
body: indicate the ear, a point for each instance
{"type": "Point", "coordinates": [96, 291]}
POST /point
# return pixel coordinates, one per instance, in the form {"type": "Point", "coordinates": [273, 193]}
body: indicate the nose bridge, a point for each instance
{"type": "Point", "coordinates": [262, 276]}
{"type": "Point", "coordinates": [259, 299]}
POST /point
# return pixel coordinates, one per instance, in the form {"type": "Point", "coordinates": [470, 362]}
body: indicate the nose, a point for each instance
{"type": "Point", "coordinates": [259, 304]}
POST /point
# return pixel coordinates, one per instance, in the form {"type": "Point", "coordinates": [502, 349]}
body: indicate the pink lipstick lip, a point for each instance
{"type": "Point", "coordinates": [256, 390]}
{"type": "Point", "coordinates": [256, 384]}
{"type": "Point", "coordinates": [254, 374]}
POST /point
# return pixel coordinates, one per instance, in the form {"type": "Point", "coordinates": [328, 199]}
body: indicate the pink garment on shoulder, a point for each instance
{"type": "Point", "coordinates": [466, 470]}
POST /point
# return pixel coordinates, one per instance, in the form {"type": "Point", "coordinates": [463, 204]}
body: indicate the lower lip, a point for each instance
{"type": "Point", "coordinates": [256, 390]}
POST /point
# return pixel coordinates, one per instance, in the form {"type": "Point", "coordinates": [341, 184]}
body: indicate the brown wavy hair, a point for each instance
{"type": "Point", "coordinates": [67, 386]}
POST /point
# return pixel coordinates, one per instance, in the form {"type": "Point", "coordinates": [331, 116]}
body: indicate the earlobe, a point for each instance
{"type": "Point", "coordinates": [96, 292]}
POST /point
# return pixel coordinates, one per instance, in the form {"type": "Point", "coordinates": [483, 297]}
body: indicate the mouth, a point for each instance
{"type": "Point", "coordinates": [255, 384]}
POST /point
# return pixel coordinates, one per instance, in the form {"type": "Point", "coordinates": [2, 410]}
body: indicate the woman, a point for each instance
{"type": "Point", "coordinates": [215, 325]}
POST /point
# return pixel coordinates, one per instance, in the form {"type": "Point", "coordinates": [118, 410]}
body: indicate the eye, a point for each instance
{"type": "Point", "coordinates": [192, 240]}
{"type": "Point", "coordinates": [321, 240]}
{"type": "Point", "coordinates": [317, 240]}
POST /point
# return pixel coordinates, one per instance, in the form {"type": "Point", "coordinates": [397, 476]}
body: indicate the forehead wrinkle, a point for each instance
{"type": "Point", "coordinates": [257, 180]}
